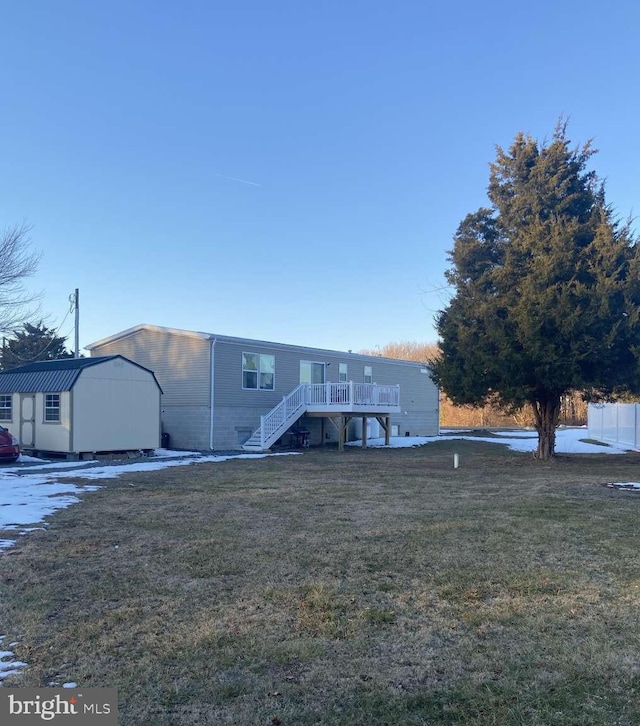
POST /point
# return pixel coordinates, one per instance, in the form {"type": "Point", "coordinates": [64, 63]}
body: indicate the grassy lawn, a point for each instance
{"type": "Point", "coordinates": [377, 587]}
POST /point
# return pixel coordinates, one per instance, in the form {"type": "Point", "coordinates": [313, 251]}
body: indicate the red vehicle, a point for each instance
{"type": "Point", "coordinates": [9, 446]}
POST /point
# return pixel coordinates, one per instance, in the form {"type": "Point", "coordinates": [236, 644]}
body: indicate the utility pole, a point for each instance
{"type": "Point", "coordinates": [77, 323]}
{"type": "Point", "coordinates": [74, 298]}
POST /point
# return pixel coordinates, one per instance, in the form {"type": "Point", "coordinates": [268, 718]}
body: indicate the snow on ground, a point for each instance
{"type": "Point", "coordinates": [9, 667]}
{"type": "Point", "coordinates": [568, 441]}
{"type": "Point", "coordinates": [26, 498]}
{"type": "Point", "coordinates": [160, 453]}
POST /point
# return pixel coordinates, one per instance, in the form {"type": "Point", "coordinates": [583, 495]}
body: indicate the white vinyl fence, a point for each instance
{"type": "Point", "coordinates": [615, 423]}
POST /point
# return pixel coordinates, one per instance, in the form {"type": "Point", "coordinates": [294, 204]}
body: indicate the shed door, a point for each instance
{"type": "Point", "coordinates": [27, 419]}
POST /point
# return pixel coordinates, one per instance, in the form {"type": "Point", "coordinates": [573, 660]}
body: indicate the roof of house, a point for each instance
{"type": "Point", "coordinates": [51, 376]}
{"type": "Point", "coordinates": [231, 339]}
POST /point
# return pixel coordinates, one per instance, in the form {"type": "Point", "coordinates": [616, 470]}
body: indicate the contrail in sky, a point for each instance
{"type": "Point", "coordinates": [235, 178]}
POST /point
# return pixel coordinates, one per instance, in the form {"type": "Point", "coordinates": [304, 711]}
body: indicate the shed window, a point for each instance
{"type": "Point", "coordinates": [368, 374]}
{"type": "Point", "coordinates": [52, 407]}
{"type": "Point", "coordinates": [258, 371]}
{"type": "Point", "coordinates": [342, 373]}
{"type": "Point", "coordinates": [6, 413]}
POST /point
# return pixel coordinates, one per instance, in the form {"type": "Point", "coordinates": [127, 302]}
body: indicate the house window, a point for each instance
{"type": "Point", "coordinates": [258, 371]}
{"type": "Point", "coordinates": [6, 413]}
{"type": "Point", "coordinates": [52, 407]}
{"type": "Point", "coordinates": [342, 373]}
{"type": "Point", "coordinates": [311, 372]}
{"type": "Point", "coordinates": [368, 374]}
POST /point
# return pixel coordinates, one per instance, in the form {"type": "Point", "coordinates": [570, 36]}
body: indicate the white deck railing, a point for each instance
{"type": "Point", "coordinates": [337, 395]}
{"type": "Point", "coordinates": [291, 407]}
{"type": "Point", "coordinates": [324, 397]}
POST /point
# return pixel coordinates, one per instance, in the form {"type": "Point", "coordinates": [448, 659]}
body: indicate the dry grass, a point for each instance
{"type": "Point", "coordinates": [378, 587]}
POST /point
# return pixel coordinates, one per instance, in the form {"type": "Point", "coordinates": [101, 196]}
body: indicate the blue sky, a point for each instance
{"type": "Point", "coordinates": [365, 130]}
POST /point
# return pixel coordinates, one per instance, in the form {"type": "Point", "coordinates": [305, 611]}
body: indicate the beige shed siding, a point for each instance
{"type": "Point", "coordinates": [116, 406]}
{"type": "Point", "coordinates": [182, 366]}
{"type": "Point", "coordinates": [14, 424]}
{"type": "Point", "coordinates": [181, 363]}
{"type": "Point", "coordinates": [52, 436]}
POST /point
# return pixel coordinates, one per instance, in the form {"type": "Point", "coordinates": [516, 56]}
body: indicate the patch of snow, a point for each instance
{"type": "Point", "coordinates": [25, 458]}
{"type": "Point", "coordinates": [26, 499]}
{"type": "Point", "coordinates": [516, 434]}
{"type": "Point", "coordinates": [46, 466]}
{"type": "Point", "coordinates": [9, 666]}
{"type": "Point", "coordinates": [160, 453]}
{"type": "Point", "coordinates": [25, 530]}
{"type": "Point", "coordinates": [631, 485]}
{"type": "Point", "coordinates": [568, 441]}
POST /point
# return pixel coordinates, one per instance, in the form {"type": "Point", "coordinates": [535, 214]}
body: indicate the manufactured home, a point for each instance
{"type": "Point", "coordinates": [82, 405]}
{"type": "Point", "coordinates": [222, 392]}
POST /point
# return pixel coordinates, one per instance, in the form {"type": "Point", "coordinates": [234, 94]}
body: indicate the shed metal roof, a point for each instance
{"type": "Point", "coordinates": [52, 376]}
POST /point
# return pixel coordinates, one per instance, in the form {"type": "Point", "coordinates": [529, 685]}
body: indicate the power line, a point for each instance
{"type": "Point", "coordinates": [55, 337]}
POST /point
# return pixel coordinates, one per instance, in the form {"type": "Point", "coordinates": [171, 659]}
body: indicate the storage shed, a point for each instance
{"type": "Point", "coordinates": [80, 405]}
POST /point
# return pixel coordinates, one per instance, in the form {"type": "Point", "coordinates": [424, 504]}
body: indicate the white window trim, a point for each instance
{"type": "Point", "coordinates": [59, 409]}
{"type": "Point", "coordinates": [9, 407]}
{"type": "Point", "coordinates": [257, 388]}
{"type": "Point", "coordinates": [365, 374]}
{"type": "Point", "coordinates": [317, 363]}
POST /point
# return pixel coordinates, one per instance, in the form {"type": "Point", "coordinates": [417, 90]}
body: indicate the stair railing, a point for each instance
{"type": "Point", "coordinates": [291, 405]}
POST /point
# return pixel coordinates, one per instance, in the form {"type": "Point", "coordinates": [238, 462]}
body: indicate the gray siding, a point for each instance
{"type": "Point", "coordinates": [182, 365]}
{"type": "Point", "coordinates": [239, 409]}
{"type": "Point", "coordinates": [180, 362]}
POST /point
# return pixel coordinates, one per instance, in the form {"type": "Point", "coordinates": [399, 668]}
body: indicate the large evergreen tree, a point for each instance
{"type": "Point", "coordinates": [547, 289]}
{"type": "Point", "coordinates": [32, 343]}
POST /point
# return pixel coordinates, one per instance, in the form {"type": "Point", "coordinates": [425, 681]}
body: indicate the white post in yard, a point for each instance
{"type": "Point", "coordinates": [456, 461]}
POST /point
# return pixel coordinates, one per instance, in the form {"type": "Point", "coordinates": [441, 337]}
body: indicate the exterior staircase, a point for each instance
{"type": "Point", "coordinates": [278, 421]}
{"type": "Point", "coordinates": [328, 398]}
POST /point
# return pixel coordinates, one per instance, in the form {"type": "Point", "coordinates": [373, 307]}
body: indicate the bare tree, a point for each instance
{"type": "Point", "coordinates": [407, 350]}
{"type": "Point", "coordinates": [487, 415]}
{"type": "Point", "coordinates": [17, 262]}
